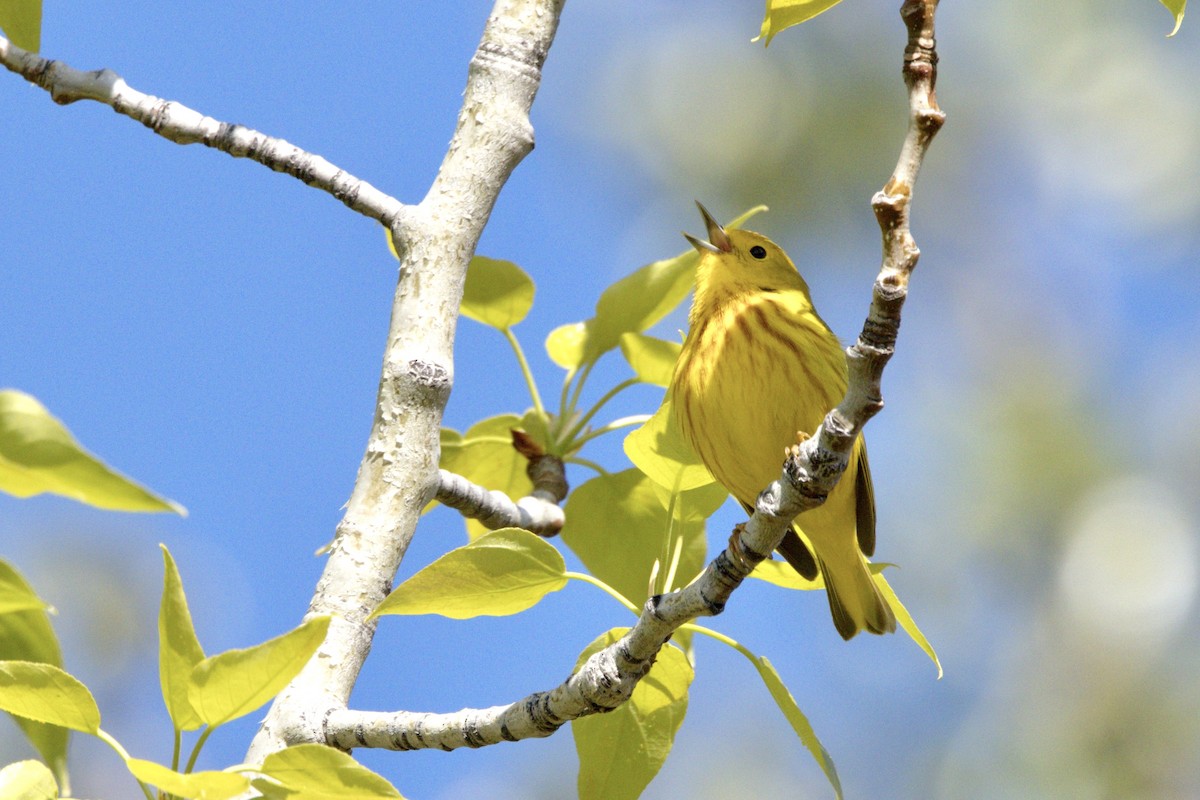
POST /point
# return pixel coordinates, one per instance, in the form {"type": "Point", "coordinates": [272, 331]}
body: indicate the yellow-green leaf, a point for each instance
{"type": "Point", "coordinates": [485, 456]}
{"type": "Point", "coordinates": [639, 300]}
{"type": "Point", "coordinates": [906, 621]}
{"type": "Point", "coordinates": [659, 450]}
{"type": "Point", "coordinates": [27, 780]}
{"type": "Point", "coordinates": [497, 293]}
{"type": "Point", "coordinates": [618, 528]}
{"type": "Point", "coordinates": [653, 360]}
{"type": "Point", "coordinates": [565, 345]}
{"type": "Point", "coordinates": [630, 305]}
{"type": "Point", "coordinates": [195, 785]}
{"type": "Point", "coordinates": [38, 454]}
{"type": "Point", "coordinates": [27, 636]}
{"type": "Point", "coordinates": [317, 772]}
{"type": "Point", "coordinates": [782, 14]}
{"type": "Point", "coordinates": [795, 717]}
{"type": "Point", "coordinates": [226, 686]}
{"type": "Point", "coordinates": [620, 752]}
{"type": "Point", "coordinates": [501, 573]}
{"type": "Point", "coordinates": [179, 650]}
{"type": "Point", "coordinates": [780, 573]}
{"type": "Point", "coordinates": [22, 23]}
{"type": "Point", "coordinates": [45, 693]}
{"type": "Point", "coordinates": [15, 593]}
{"type": "Point", "coordinates": [1176, 7]}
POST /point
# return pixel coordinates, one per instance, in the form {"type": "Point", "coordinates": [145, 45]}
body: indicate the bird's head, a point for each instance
{"type": "Point", "coordinates": [741, 261]}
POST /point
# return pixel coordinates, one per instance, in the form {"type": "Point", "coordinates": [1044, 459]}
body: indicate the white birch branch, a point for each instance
{"type": "Point", "coordinates": [535, 512]}
{"type": "Point", "coordinates": [538, 512]}
{"type": "Point", "coordinates": [183, 125]}
{"type": "Point", "coordinates": [399, 472]}
{"type": "Point", "coordinates": [608, 677]}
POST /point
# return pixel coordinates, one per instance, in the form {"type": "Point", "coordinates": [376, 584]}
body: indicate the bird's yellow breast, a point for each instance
{"type": "Point", "coordinates": [756, 368]}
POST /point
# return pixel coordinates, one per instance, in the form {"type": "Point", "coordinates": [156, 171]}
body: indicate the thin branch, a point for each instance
{"type": "Point", "coordinates": [182, 125]}
{"type": "Point", "coordinates": [608, 677]}
{"type": "Point", "coordinates": [604, 682]}
{"type": "Point", "coordinates": [494, 508]}
{"type": "Point", "coordinates": [814, 467]}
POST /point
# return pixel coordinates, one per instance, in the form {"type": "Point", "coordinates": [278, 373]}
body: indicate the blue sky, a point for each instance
{"type": "Point", "coordinates": [215, 330]}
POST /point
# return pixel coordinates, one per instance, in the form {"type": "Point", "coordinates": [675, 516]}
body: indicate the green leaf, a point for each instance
{"type": "Point", "coordinates": [179, 650]}
{"type": "Point", "coordinates": [782, 14]}
{"type": "Point", "coordinates": [497, 293]}
{"type": "Point", "coordinates": [1176, 7]}
{"type": "Point", "coordinates": [799, 722]}
{"type": "Point", "coordinates": [197, 785]}
{"type": "Point", "coordinates": [617, 527]}
{"type": "Point", "coordinates": [639, 300]}
{"type": "Point", "coordinates": [38, 454]}
{"type": "Point", "coordinates": [501, 573]}
{"type": "Point", "coordinates": [653, 360]}
{"type": "Point", "coordinates": [317, 772]}
{"type": "Point", "coordinates": [620, 752]}
{"type": "Point", "coordinates": [566, 345]}
{"type": "Point", "coordinates": [659, 450]}
{"type": "Point", "coordinates": [22, 23]}
{"type": "Point", "coordinates": [485, 456]}
{"type": "Point", "coordinates": [27, 636]}
{"type": "Point", "coordinates": [27, 780]}
{"type": "Point", "coordinates": [778, 572]}
{"type": "Point", "coordinates": [15, 593]}
{"type": "Point", "coordinates": [630, 305]}
{"type": "Point", "coordinates": [45, 693]}
{"type": "Point", "coordinates": [234, 683]}
{"type": "Point", "coordinates": [906, 621]}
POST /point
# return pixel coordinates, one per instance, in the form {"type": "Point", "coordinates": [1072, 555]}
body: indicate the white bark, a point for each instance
{"type": "Point", "coordinates": [399, 473]}
{"type": "Point", "coordinates": [182, 125]}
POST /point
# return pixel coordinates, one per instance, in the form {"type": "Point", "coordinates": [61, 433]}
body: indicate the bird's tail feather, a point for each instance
{"type": "Point", "coordinates": [855, 601]}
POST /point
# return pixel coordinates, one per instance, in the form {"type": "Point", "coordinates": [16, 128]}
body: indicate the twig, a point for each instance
{"type": "Point", "coordinates": [182, 125]}
{"type": "Point", "coordinates": [534, 513]}
{"type": "Point", "coordinates": [814, 467]}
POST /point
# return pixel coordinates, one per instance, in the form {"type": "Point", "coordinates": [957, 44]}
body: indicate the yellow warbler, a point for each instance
{"type": "Point", "coordinates": [758, 371]}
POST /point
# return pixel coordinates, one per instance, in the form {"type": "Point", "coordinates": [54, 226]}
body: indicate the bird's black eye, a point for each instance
{"type": "Point", "coordinates": [758, 251]}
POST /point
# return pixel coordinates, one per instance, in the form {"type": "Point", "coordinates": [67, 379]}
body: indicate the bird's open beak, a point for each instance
{"type": "Point", "coordinates": [718, 239]}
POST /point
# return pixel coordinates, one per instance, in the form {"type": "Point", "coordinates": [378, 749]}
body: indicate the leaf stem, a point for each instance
{"type": "Point", "coordinates": [175, 752]}
{"type": "Point", "coordinates": [533, 391]}
{"type": "Point", "coordinates": [616, 424]}
{"type": "Point", "coordinates": [583, 462]}
{"type": "Point", "coordinates": [196, 750]}
{"type": "Point", "coordinates": [107, 738]}
{"type": "Point", "coordinates": [609, 395]}
{"type": "Point", "coordinates": [720, 637]}
{"type": "Point", "coordinates": [594, 581]}
{"type": "Point", "coordinates": [579, 381]}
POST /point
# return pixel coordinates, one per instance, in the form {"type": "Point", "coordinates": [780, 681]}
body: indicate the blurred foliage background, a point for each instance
{"type": "Point", "coordinates": [214, 330]}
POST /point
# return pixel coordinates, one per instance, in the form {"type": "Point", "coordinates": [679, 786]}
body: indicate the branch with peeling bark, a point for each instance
{"type": "Point", "coordinates": [178, 123]}
{"type": "Point", "coordinates": [609, 676]}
